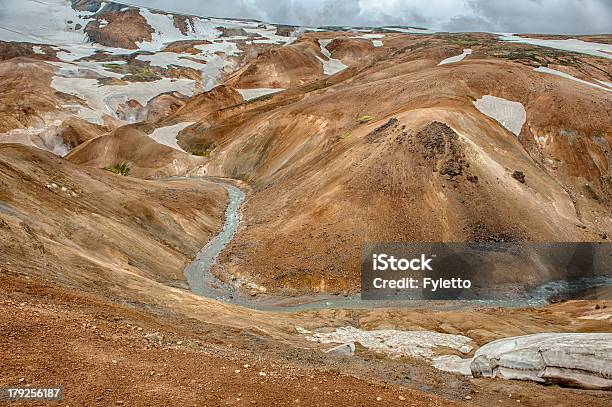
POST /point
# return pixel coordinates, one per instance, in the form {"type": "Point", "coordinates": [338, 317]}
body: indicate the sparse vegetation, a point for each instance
{"type": "Point", "coordinates": [532, 56]}
{"type": "Point", "coordinates": [143, 75]}
{"type": "Point", "coordinates": [122, 169]}
{"type": "Point", "coordinates": [364, 119]}
{"type": "Point", "coordinates": [342, 136]}
{"type": "Point", "coordinates": [112, 67]}
{"type": "Point", "coordinates": [203, 149]}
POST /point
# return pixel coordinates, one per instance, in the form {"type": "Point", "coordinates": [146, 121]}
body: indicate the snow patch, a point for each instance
{"type": "Point", "coordinates": [269, 33]}
{"type": "Point", "coordinates": [250, 94]}
{"type": "Point", "coordinates": [105, 100]}
{"type": "Point", "coordinates": [331, 66]}
{"type": "Point", "coordinates": [582, 359]}
{"type": "Point", "coordinates": [456, 58]}
{"type": "Point", "coordinates": [395, 343]}
{"type": "Point", "coordinates": [544, 69]}
{"type": "Point", "coordinates": [45, 138]}
{"type": "Point", "coordinates": [574, 45]}
{"type": "Point", "coordinates": [509, 114]}
{"type": "Point", "coordinates": [375, 38]}
{"type": "Point", "coordinates": [167, 135]}
{"type": "Point", "coordinates": [166, 31]}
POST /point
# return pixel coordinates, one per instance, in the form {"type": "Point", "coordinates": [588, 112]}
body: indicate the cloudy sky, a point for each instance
{"type": "Point", "coordinates": [520, 16]}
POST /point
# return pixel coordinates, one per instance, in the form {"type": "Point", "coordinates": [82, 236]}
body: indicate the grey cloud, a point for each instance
{"type": "Point", "coordinates": [537, 16]}
{"type": "Point", "coordinates": [520, 16]}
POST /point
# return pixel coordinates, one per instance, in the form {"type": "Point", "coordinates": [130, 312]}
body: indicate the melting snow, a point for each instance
{"type": "Point", "coordinates": [270, 34]}
{"type": "Point", "coordinates": [46, 138]}
{"type": "Point", "coordinates": [374, 37]}
{"type": "Point", "coordinates": [591, 48]}
{"type": "Point", "coordinates": [250, 94]}
{"type": "Point", "coordinates": [331, 66]}
{"type": "Point", "coordinates": [106, 99]}
{"type": "Point", "coordinates": [166, 31]}
{"type": "Point", "coordinates": [167, 135]}
{"type": "Point", "coordinates": [394, 343]}
{"type": "Point", "coordinates": [456, 58]}
{"type": "Point", "coordinates": [544, 69]}
{"type": "Point", "coordinates": [510, 114]}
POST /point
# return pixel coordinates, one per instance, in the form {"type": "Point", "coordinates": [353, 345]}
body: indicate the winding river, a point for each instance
{"type": "Point", "coordinates": [203, 282]}
{"type": "Point", "coordinates": [199, 276]}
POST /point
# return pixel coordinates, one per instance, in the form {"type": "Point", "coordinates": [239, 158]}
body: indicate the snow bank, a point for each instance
{"type": "Point", "coordinates": [456, 58]}
{"type": "Point", "coordinates": [584, 47]}
{"type": "Point", "coordinates": [509, 114]}
{"type": "Point", "coordinates": [331, 66]}
{"type": "Point", "coordinates": [576, 359]}
{"type": "Point", "coordinates": [544, 69]}
{"type": "Point", "coordinates": [250, 94]}
{"type": "Point", "coordinates": [167, 135]}
{"type": "Point", "coordinates": [395, 343]}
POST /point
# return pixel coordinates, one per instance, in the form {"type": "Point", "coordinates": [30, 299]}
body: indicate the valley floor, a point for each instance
{"type": "Point", "coordinates": [122, 353]}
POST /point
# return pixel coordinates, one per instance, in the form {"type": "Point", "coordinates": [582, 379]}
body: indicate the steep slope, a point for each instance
{"type": "Point", "coordinates": [112, 64]}
{"type": "Point", "coordinates": [91, 227]}
{"type": "Point", "coordinates": [284, 67]}
{"type": "Point", "coordinates": [397, 151]}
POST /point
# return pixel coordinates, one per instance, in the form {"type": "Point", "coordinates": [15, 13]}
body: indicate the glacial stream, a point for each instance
{"type": "Point", "coordinates": [203, 282]}
{"type": "Point", "coordinates": [199, 276]}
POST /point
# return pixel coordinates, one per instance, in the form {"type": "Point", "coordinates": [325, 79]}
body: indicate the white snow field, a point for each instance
{"type": "Point", "coordinates": [167, 135]}
{"type": "Point", "coordinates": [456, 58]}
{"type": "Point", "coordinates": [331, 66]}
{"type": "Point", "coordinates": [103, 100]}
{"type": "Point", "coordinates": [584, 47]}
{"type": "Point", "coordinates": [56, 25]}
{"type": "Point", "coordinates": [509, 114]}
{"type": "Point", "coordinates": [250, 94]}
{"type": "Point", "coordinates": [544, 69]}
